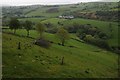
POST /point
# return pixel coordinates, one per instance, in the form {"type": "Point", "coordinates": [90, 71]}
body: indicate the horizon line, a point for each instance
{"type": "Point", "coordinates": [49, 4]}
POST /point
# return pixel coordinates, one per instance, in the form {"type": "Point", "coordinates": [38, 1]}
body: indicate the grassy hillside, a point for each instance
{"type": "Point", "coordinates": [82, 7]}
{"type": "Point", "coordinates": [102, 25]}
{"type": "Point", "coordinates": [49, 13]}
{"type": "Point", "coordinates": [81, 61]}
{"type": "Point", "coordinates": [40, 10]}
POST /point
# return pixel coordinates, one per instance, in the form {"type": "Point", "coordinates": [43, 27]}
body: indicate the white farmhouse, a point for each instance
{"type": "Point", "coordinates": [66, 17]}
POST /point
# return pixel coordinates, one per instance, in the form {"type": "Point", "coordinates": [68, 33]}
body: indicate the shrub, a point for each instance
{"type": "Point", "coordinates": [116, 49]}
{"type": "Point", "coordinates": [102, 43]}
{"type": "Point", "coordinates": [102, 35]}
{"type": "Point", "coordinates": [43, 43]}
{"type": "Point", "coordinates": [97, 41]}
{"type": "Point", "coordinates": [52, 30]}
{"type": "Point", "coordinates": [89, 39]}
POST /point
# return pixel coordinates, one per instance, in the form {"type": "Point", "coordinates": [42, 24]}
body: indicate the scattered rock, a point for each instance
{"type": "Point", "coordinates": [51, 41]}
{"type": "Point", "coordinates": [69, 76]}
{"type": "Point", "coordinates": [50, 63]}
{"type": "Point", "coordinates": [36, 56]}
{"type": "Point", "coordinates": [15, 67]}
{"type": "Point", "coordinates": [48, 67]}
{"type": "Point", "coordinates": [96, 51]}
{"type": "Point", "coordinates": [86, 72]}
{"type": "Point", "coordinates": [33, 60]}
{"type": "Point", "coordinates": [19, 45]}
{"type": "Point", "coordinates": [19, 56]}
{"type": "Point", "coordinates": [42, 63]}
{"type": "Point", "coordinates": [47, 56]}
{"type": "Point", "coordinates": [59, 44]}
{"type": "Point", "coordinates": [40, 60]}
{"type": "Point", "coordinates": [56, 57]}
{"type": "Point", "coordinates": [71, 46]}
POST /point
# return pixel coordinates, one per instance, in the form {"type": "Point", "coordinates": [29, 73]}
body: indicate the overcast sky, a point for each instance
{"type": "Point", "coordinates": [48, 2]}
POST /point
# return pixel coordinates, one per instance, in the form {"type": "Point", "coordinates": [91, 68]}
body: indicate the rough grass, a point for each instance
{"type": "Point", "coordinates": [81, 61]}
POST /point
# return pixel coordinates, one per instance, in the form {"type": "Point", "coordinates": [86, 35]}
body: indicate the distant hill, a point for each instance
{"type": "Point", "coordinates": [57, 10]}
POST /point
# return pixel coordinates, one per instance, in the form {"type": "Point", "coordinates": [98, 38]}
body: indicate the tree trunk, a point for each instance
{"type": "Point", "coordinates": [28, 33]}
{"type": "Point", "coordinates": [62, 62]}
{"type": "Point", "coordinates": [118, 65]}
{"type": "Point", "coordinates": [14, 31]}
{"type": "Point", "coordinates": [19, 46]}
{"type": "Point", "coordinates": [63, 41]}
{"type": "Point", "coordinates": [41, 35]}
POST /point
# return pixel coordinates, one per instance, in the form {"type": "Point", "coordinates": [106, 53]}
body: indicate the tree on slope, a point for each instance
{"type": "Point", "coordinates": [28, 26]}
{"type": "Point", "coordinates": [63, 35]}
{"type": "Point", "coordinates": [41, 29]}
{"type": "Point", "coordinates": [14, 24]}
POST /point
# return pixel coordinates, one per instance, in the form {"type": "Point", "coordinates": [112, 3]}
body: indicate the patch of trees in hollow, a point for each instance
{"type": "Point", "coordinates": [90, 34]}
{"type": "Point", "coordinates": [87, 32]}
{"type": "Point", "coordinates": [99, 15]}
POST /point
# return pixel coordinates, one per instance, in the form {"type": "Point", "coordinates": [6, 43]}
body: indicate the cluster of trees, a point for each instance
{"type": "Point", "coordinates": [90, 34]}
{"type": "Point", "coordinates": [86, 29]}
{"type": "Point", "coordinates": [52, 10]}
{"type": "Point", "coordinates": [93, 36]}
{"type": "Point", "coordinates": [87, 32]}
{"type": "Point", "coordinates": [99, 15]}
{"type": "Point", "coordinates": [15, 24]}
{"type": "Point", "coordinates": [85, 15]}
{"type": "Point", "coordinates": [83, 30]}
{"type": "Point", "coordinates": [107, 15]}
{"type": "Point", "coordinates": [61, 33]}
{"type": "Point", "coordinates": [96, 41]}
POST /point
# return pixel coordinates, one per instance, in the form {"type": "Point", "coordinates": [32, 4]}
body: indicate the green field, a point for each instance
{"type": "Point", "coordinates": [79, 59]}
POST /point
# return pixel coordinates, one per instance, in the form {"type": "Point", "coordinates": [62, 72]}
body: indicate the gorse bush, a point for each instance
{"type": "Point", "coordinates": [43, 43]}
{"type": "Point", "coordinates": [97, 41]}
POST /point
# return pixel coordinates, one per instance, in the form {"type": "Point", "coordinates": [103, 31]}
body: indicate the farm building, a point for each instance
{"type": "Point", "coordinates": [66, 17]}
